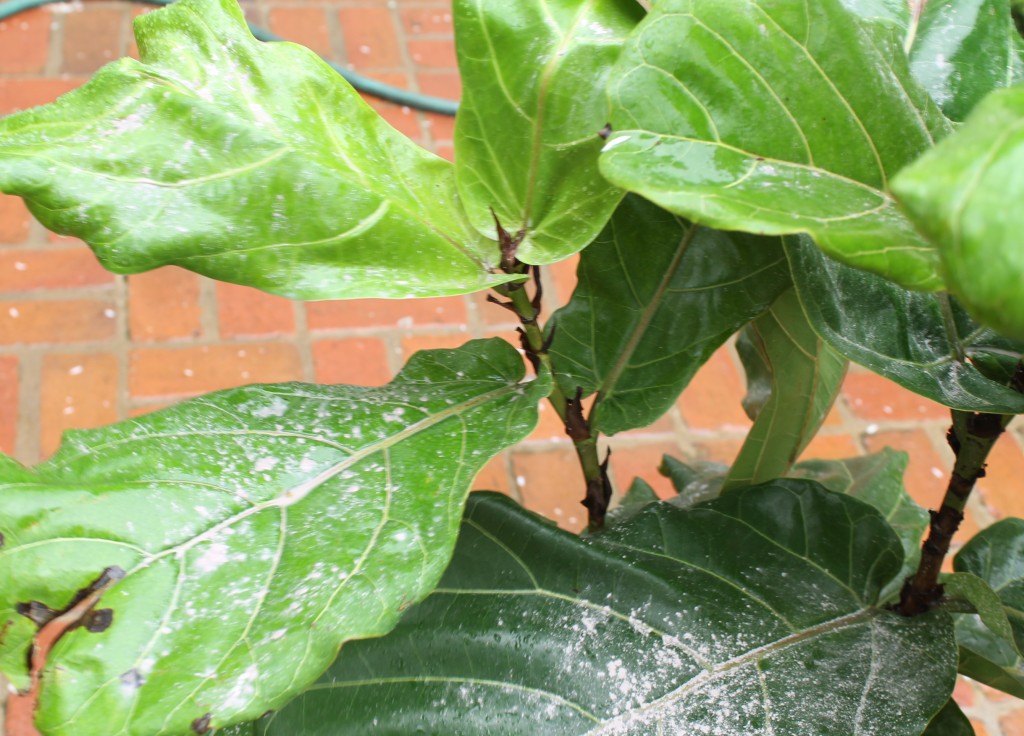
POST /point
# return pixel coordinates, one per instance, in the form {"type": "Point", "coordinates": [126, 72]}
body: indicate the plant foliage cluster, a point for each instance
{"type": "Point", "coordinates": [835, 181]}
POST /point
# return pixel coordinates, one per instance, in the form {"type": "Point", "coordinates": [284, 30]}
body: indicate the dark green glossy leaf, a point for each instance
{"type": "Point", "coordinates": [902, 335]}
{"type": "Point", "coordinates": [247, 162]}
{"type": "Point", "coordinates": [673, 622]}
{"type": "Point", "coordinates": [995, 554]}
{"type": "Point", "coordinates": [656, 297]}
{"type": "Point", "coordinates": [960, 50]}
{"type": "Point", "coordinates": [639, 495]}
{"type": "Point", "coordinates": [950, 721]}
{"type": "Point", "coordinates": [805, 375]}
{"type": "Point", "coordinates": [259, 528]}
{"type": "Point", "coordinates": [962, 194]}
{"type": "Point", "coordinates": [876, 480]}
{"type": "Point", "coordinates": [968, 587]}
{"type": "Point", "coordinates": [776, 117]}
{"type": "Point", "coordinates": [526, 137]}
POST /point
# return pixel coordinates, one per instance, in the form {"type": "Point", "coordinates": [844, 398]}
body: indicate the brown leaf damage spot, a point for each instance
{"type": "Point", "coordinates": [53, 625]}
{"type": "Point", "coordinates": [202, 724]}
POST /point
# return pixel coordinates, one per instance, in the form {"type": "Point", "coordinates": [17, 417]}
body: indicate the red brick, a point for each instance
{"type": "Point", "coordinates": [303, 25]}
{"type": "Point", "coordinates": [413, 343]}
{"type": "Point", "coordinates": [874, 398]}
{"type": "Point", "coordinates": [963, 693]}
{"type": "Point", "coordinates": [24, 40]}
{"type": "Point", "coordinates": [243, 310]}
{"type": "Point", "coordinates": [998, 696]}
{"type": "Point", "coordinates": [719, 450]}
{"type": "Point", "coordinates": [163, 304]}
{"type": "Point", "coordinates": [27, 270]}
{"type": "Point", "coordinates": [642, 461]}
{"type": "Point", "coordinates": [563, 275]}
{"type": "Point", "coordinates": [549, 425]}
{"type": "Point", "coordinates": [979, 728]}
{"type": "Point", "coordinates": [433, 53]}
{"type": "Point", "coordinates": [712, 400]}
{"type": "Point", "coordinates": [79, 392]}
{"type": "Point", "coordinates": [1012, 724]}
{"type": "Point", "coordinates": [494, 476]}
{"type": "Point", "coordinates": [1001, 488]}
{"type": "Point", "coordinates": [831, 447]}
{"type": "Point", "coordinates": [23, 93]}
{"type": "Point", "coordinates": [357, 361]}
{"type": "Point", "coordinates": [441, 127]}
{"type": "Point", "coordinates": [444, 150]}
{"type": "Point", "coordinates": [405, 313]}
{"type": "Point", "coordinates": [551, 484]}
{"type": "Point", "coordinates": [9, 376]}
{"type": "Point", "coordinates": [55, 321]}
{"type": "Point", "coordinates": [166, 372]}
{"type": "Point", "coordinates": [14, 219]}
{"type": "Point", "coordinates": [429, 19]}
{"type": "Point", "coordinates": [92, 38]}
{"type": "Point", "coordinates": [400, 117]}
{"type": "Point", "coordinates": [448, 86]}
{"type": "Point", "coordinates": [370, 38]}
{"type": "Point", "coordinates": [927, 473]}
{"type": "Point", "coordinates": [493, 314]}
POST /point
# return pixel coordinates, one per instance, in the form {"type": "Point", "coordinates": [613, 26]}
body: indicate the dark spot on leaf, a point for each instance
{"type": "Point", "coordinates": [605, 131]}
{"type": "Point", "coordinates": [132, 679]}
{"type": "Point", "coordinates": [1, 539]}
{"type": "Point", "coordinates": [202, 724]}
{"type": "Point", "coordinates": [99, 620]}
{"type": "Point", "coordinates": [267, 714]}
{"type": "Point", "coordinates": [38, 613]}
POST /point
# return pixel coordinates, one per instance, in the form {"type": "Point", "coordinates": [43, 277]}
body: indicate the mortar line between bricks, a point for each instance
{"type": "Point", "coordinates": [27, 442]}
{"type": "Point", "coordinates": [53, 55]}
{"type": "Point", "coordinates": [123, 346]}
{"type": "Point", "coordinates": [303, 341]}
{"type": "Point", "coordinates": [209, 316]}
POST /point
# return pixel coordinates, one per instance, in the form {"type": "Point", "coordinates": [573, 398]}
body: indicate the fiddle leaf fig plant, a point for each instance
{"type": "Point", "coordinates": [820, 182]}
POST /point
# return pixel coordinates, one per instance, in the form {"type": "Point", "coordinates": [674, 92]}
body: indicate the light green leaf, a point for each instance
{"type": "Point", "coordinates": [950, 721]}
{"type": "Point", "coordinates": [908, 337]}
{"type": "Point", "coordinates": [776, 117]}
{"type": "Point", "coordinates": [656, 297]}
{"type": "Point", "coordinates": [534, 74]}
{"type": "Point", "coordinates": [673, 622]}
{"type": "Point", "coordinates": [248, 162]}
{"type": "Point", "coordinates": [259, 528]}
{"type": "Point", "coordinates": [995, 554]}
{"type": "Point", "coordinates": [960, 50]}
{"type": "Point", "coordinates": [876, 480]}
{"type": "Point", "coordinates": [962, 194]}
{"type": "Point", "coordinates": [805, 376]}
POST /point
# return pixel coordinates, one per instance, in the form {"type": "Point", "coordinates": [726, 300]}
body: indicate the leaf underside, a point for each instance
{"type": "Point", "coordinates": [837, 114]}
{"type": "Point", "coordinates": [259, 528]}
{"type": "Point", "coordinates": [671, 622]}
{"type": "Point", "coordinates": [248, 162]}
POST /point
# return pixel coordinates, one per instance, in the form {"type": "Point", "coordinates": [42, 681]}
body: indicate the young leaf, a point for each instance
{"type": "Point", "coordinates": [248, 162]}
{"type": "Point", "coordinates": [805, 375]}
{"type": "Point", "coordinates": [775, 118]}
{"type": "Point", "coordinates": [968, 587]}
{"type": "Point", "coordinates": [673, 622]}
{"type": "Point", "coordinates": [534, 74]}
{"type": "Point", "coordinates": [960, 50]}
{"type": "Point", "coordinates": [694, 482]}
{"type": "Point", "coordinates": [950, 721]}
{"type": "Point", "coordinates": [258, 529]}
{"type": "Point", "coordinates": [995, 554]}
{"type": "Point", "coordinates": [961, 195]}
{"type": "Point", "coordinates": [656, 297]}
{"type": "Point", "coordinates": [908, 337]}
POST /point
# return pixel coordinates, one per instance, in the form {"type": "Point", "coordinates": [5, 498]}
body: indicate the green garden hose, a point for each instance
{"type": "Point", "coordinates": [361, 82]}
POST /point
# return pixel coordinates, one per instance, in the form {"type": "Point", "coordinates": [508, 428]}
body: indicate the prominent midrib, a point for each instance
{"type": "Point", "coordinates": [610, 380]}
{"type": "Point", "coordinates": [856, 618]}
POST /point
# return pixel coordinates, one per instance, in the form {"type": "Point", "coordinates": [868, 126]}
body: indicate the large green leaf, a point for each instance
{"type": "Point", "coordinates": [533, 101]}
{"type": "Point", "coordinates": [877, 480]}
{"type": "Point", "coordinates": [960, 50]}
{"type": "Point", "coordinates": [776, 117]}
{"type": "Point", "coordinates": [656, 297]}
{"type": "Point", "coordinates": [248, 162]}
{"type": "Point", "coordinates": [910, 338]}
{"type": "Point", "coordinates": [995, 554]}
{"type": "Point", "coordinates": [258, 528]}
{"type": "Point", "coordinates": [950, 721]}
{"type": "Point", "coordinates": [805, 375]}
{"type": "Point", "coordinates": [741, 616]}
{"type": "Point", "coordinates": [962, 195]}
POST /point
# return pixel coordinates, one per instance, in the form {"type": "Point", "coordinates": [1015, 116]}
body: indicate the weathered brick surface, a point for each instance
{"type": "Point", "coordinates": [80, 347]}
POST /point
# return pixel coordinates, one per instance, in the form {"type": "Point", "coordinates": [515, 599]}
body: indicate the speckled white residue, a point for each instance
{"type": "Point", "coordinates": [265, 463]}
{"type": "Point", "coordinates": [275, 408]}
{"type": "Point", "coordinates": [213, 557]}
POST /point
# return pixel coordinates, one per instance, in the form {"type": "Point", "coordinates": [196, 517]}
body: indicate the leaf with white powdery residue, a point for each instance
{"type": "Point", "coordinates": [776, 117]}
{"type": "Point", "coordinates": [533, 102]}
{"type": "Point", "coordinates": [259, 527]}
{"type": "Point", "coordinates": [248, 162]}
{"type": "Point", "coordinates": [674, 621]}
{"type": "Point", "coordinates": [656, 297]}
